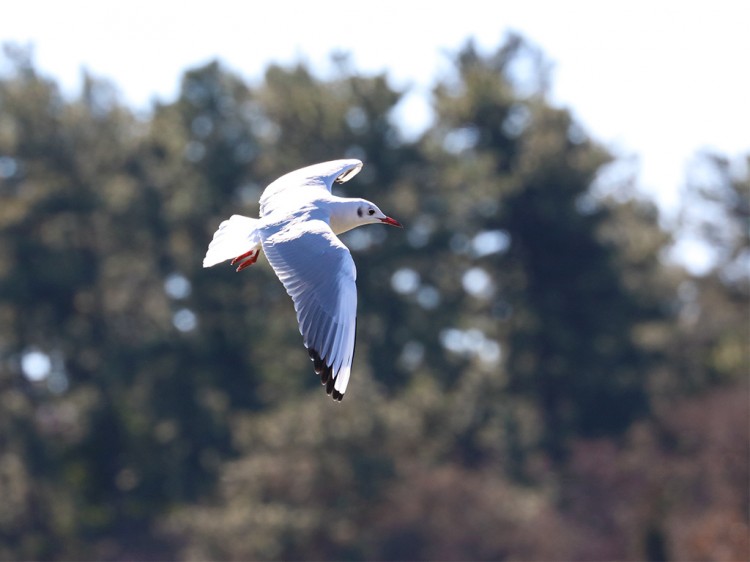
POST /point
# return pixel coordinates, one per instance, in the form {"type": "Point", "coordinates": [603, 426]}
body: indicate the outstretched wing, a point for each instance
{"type": "Point", "coordinates": [322, 175]}
{"type": "Point", "coordinates": [318, 272]}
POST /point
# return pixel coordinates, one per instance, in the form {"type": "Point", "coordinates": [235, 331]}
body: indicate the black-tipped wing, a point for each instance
{"type": "Point", "coordinates": [318, 272]}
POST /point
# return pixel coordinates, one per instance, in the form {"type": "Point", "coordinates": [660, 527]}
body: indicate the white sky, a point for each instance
{"type": "Point", "coordinates": [656, 79]}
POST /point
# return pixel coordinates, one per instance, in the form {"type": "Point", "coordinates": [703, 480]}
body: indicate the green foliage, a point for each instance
{"type": "Point", "coordinates": [520, 343]}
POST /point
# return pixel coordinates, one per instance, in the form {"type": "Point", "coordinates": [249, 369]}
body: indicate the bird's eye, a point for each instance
{"type": "Point", "coordinates": [371, 212]}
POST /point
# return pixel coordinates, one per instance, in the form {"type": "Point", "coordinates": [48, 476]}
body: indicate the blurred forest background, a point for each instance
{"type": "Point", "coordinates": [534, 379]}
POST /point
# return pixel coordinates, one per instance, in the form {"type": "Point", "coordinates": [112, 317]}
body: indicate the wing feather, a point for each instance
{"type": "Point", "coordinates": [319, 275]}
{"type": "Point", "coordinates": [322, 175]}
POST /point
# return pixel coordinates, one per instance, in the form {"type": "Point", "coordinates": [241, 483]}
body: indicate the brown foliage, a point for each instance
{"type": "Point", "coordinates": [676, 489]}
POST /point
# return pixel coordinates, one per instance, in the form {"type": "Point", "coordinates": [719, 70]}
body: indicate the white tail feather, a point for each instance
{"type": "Point", "coordinates": [235, 237]}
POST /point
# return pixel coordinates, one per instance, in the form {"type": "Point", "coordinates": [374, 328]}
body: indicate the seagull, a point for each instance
{"type": "Point", "coordinates": [298, 226]}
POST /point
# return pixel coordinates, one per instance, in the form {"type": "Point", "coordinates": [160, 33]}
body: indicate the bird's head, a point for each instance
{"type": "Point", "coordinates": [351, 213]}
{"type": "Point", "coordinates": [370, 213]}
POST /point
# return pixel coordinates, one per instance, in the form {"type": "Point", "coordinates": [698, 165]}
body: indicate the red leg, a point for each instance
{"type": "Point", "coordinates": [243, 256]}
{"type": "Point", "coordinates": [252, 257]}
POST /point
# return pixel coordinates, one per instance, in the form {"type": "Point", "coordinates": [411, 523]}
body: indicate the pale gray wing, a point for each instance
{"type": "Point", "coordinates": [318, 272]}
{"type": "Point", "coordinates": [296, 185]}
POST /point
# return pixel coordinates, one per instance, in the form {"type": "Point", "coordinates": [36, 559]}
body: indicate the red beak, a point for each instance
{"type": "Point", "coordinates": [392, 222]}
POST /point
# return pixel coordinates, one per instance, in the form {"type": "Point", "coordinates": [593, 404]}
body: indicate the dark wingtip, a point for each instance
{"type": "Point", "coordinates": [326, 374]}
{"type": "Point", "coordinates": [317, 362]}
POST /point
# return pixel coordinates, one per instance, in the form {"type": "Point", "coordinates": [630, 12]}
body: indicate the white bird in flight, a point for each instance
{"type": "Point", "coordinates": [297, 229]}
